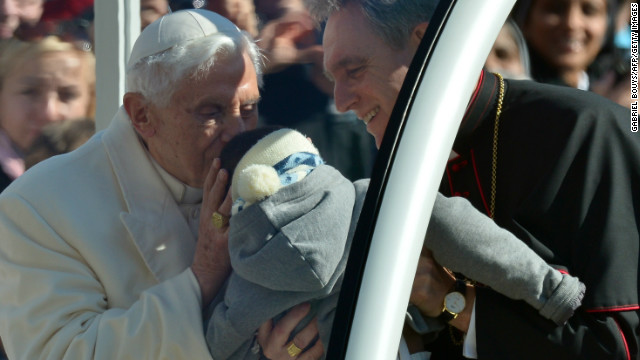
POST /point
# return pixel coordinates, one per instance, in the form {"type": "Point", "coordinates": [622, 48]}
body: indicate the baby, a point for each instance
{"type": "Point", "coordinates": [292, 221]}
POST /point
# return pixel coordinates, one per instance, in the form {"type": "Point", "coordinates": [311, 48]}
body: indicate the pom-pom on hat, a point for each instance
{"type": "Point", "coordinates": [177, 28]}
{"type": "Point", "coordinates": [255, 177]}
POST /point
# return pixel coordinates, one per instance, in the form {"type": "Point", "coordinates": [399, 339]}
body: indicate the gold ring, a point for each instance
{"type": "Point", "coordinates": [293, 350]}
{"type": "Point", "coordinates": [218, 220]}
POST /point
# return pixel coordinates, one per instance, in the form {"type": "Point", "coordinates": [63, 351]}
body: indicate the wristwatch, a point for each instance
{"type": "Point", "coordinates": [454, 302]}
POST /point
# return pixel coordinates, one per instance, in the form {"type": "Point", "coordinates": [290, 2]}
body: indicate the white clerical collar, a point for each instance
{"type": "Point", "coordinates": [583, 81]}
{"type": "Point", "coordinates": [181, 192]}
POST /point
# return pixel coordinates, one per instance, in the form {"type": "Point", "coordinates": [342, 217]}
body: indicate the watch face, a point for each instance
{"type": "Point", "coordinates": [454, 302]}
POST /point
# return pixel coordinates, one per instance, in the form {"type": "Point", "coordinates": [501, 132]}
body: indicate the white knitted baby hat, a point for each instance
{"type": "Point", "coordinates": [254, 177]}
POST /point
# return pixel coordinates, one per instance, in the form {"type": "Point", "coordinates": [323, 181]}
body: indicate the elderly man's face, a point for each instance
{"type": "Point", "coordinates": [185, 135]}
{"type": "Point", "coordinates": [367, 73]}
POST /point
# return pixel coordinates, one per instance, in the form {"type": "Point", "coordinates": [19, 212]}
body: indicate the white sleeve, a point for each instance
{"type": "Point", "coordinates": [54, 306]}
{"type": "Point", "coordinates": [469, 349]}
{"type": "Point", "coordinates": [157, 326]}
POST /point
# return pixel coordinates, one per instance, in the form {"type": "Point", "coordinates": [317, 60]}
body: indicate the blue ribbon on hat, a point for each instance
{"type": "Point", "coordinates": [296, 166]}
{"type": "Point", "coordinates": [291, 169]}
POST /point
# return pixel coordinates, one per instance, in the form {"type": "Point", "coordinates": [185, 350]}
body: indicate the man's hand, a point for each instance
{"type": "Point", "coordinates": [241, 12]}
{"type": "Point", "coordinates": [211, 264]}
{"type": "Point", "coordinates": [431, 284]}
{"type": "Point", "coordinates": [289, 40]}
{"type": "Point", "coordinates": [273, 340]}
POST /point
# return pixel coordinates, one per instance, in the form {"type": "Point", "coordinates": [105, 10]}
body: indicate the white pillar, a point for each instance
{"type": "Point", "coordinates": [117, 25]}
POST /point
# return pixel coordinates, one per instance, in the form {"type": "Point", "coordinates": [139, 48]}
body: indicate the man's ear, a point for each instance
{"type": "Point", "coordinates": [417, 34]}
{"type": "Point", "coordinates": [136, 107]}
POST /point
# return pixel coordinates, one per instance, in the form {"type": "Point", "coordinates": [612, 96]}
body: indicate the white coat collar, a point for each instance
{"type": "Point", "coordinates": [153, 219]}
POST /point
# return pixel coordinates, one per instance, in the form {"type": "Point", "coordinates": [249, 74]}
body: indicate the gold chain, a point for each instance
{"type": "Point", "coordinates": [459, 340]}
{"type": "Point", "coordinates": [494, 163]}
{"type": "Point", "coordinates": [456, 339]}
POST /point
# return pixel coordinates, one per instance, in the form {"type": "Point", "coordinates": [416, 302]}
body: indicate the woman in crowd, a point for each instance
{"type": "Point", "coordinates": [510, 55]}
{"type": "Point", "coordinates": [565, 37]}
{"type": "Point", "coordinates": [43, 81]}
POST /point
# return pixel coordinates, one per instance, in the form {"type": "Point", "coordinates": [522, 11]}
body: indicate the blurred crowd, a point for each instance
{"type": "Point", "coordinates": [582, 44]}
{"type": "Point", "coordinates": [47, 69]}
